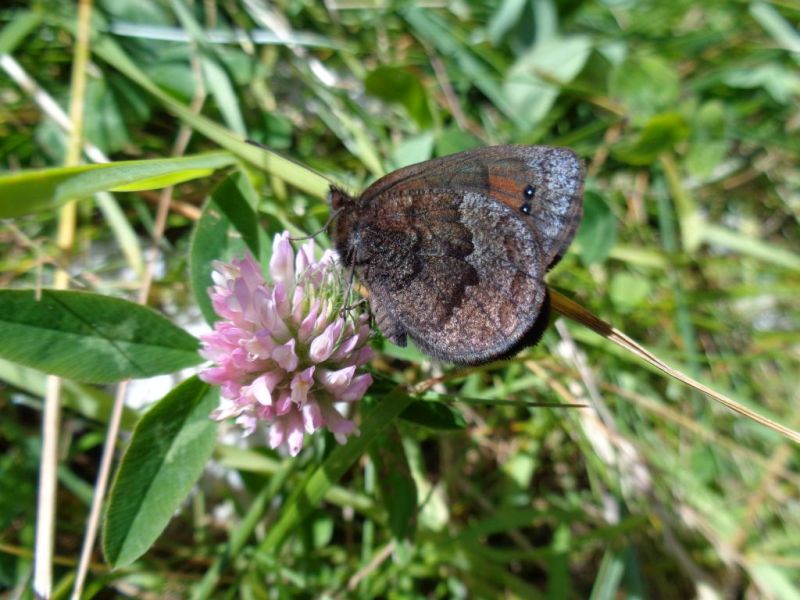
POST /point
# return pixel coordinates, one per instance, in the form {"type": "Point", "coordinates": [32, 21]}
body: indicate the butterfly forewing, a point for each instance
{"type": "Point", "coordinates": [503, 174]}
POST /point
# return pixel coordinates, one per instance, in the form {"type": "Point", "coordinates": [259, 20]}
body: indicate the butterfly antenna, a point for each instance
{"type": "Point", "coordinates": [334, 214]}
{"type": "Point", "coordinates": [327, 223]}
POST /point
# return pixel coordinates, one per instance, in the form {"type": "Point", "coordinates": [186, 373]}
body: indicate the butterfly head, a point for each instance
{"type": "Point", "coordinates": [346, 231]}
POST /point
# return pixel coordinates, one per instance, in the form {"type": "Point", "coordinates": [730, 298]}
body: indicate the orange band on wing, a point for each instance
{"type": "Point", "coordinates": [506, 189]}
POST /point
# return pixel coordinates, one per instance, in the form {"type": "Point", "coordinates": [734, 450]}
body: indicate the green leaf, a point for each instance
{"type": "Point", "coordinates": [413, 149]}
{"type": "Point", "coordinates": [627, 291]}
{"type": "Point", "coordinates": [18, 28]}
{"type": "Point", "coordinates": [708, 143]}
{"type": "Point", "coordinates": [276, 131]}
{"type": "Point", "coordinates": [781, 30]}
{"type": "Point", "coordinates": [434, 513]}
{"type": "Point", "coordinates": [434, 415]}
{"type": "Point", "coordinates": [89, 337]}
{"type": "Point", "coordinates": [166, 456]}
{"type": "Point", "coordinates": [162, 181]}
{"type": "Point", "coordinates": [229, 210]}
{"type": "Point", "coordinates": [453, 140]}
{"type": "Point", "coordinates": [774, 580]}
{"type": "Point", "coordinates": [607, 583]}
{"type": "Point", "coordinates": [397, 486]}
{"type": "Point", "coordinates": [504, 18]}
{"type": "Point", "coordinates": [660, 134]}
{"type": "Point", "coordinates": [210, 242]}
{"type": "Point", "coordinates": [400, 85]}
{"type": "Point", "coordinates": [747, 245]}
{"type": "Point", "coordinates": [33, 191]}
{"type": "Point", "coordinates": [780, 82]}
{"type": "Point", "coordinates": [558, 579]}
{"type": "Point", "coordinates": [221, 88]}
{"type": "Point", "coordinates": [534, 82]}
{"type": "Point", "coordinates": [217, 79]}
{"type": "Point", "coordinates": [646, 85]}
{"type": "Point", "coordinates": [598, 229]}
{"type": "Point", "coordinates": [108, 124]}
{"type": "Point", "coordinates": [238, 201]}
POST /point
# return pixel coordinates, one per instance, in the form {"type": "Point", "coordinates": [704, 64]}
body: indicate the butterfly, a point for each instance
{"type": "Point", "coordinates": [454, 250]}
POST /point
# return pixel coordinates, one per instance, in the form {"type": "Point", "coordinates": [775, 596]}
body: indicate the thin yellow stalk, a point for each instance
{"type": "Point", "coordinates": [115, 418]}
{"type": "Point", "coordinates": [46, 507]}
{"type": "Point", "coordinates": [563, 305]}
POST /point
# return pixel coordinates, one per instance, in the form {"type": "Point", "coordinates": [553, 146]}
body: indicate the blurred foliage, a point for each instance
{"type": "Point", "coordinates": [687, 116]}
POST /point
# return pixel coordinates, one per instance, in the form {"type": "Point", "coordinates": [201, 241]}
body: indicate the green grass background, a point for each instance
{"type": "Point", "coordinates": [688, 119]}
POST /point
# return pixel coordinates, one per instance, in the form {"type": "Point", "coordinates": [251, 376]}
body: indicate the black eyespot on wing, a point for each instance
{"type": "Point", "coordinates": [530, 192]}
{"type": "Point", "coordinates": [525, 208]}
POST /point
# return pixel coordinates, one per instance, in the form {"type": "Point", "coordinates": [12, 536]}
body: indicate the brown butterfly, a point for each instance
{"type": "Point", "coordinates": [454, 250]}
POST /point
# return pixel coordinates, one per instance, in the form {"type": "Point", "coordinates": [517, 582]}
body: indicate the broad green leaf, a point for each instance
{"type": "Point", "coordinates": [33, 191]}
{"type": "Point", "coordinates": [520, 469]}
{"type": "Point", "coordinates": [110, 119]}
{"type": "Point", "coordinates": [321, 529]}
{"type": "Point", "coordinates": [708, 140]}
{"type": "Point", "coordinates": [276, 131]}
{"type": "Point", "coordinates": [89, 337]}
{"type": "Point", "coordinates": [168, 450]}
{"type": "Point", "coordinates": [238, 201]}
{"type": "Point", "coordinates": [211, 241]}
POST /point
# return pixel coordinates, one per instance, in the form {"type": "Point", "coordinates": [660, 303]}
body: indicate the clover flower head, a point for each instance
{"type": "Point", "coordinates": [284, 354]}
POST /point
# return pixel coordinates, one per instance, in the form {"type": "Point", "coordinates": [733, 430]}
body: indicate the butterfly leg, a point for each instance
{"type": "Point", "coordinates": [390, 328]}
